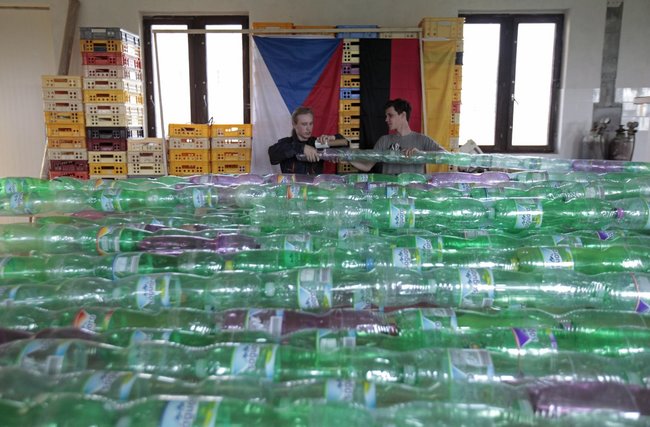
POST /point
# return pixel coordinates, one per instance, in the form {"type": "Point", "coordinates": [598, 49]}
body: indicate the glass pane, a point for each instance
{"type": "Point", "coordinates": [479, 83]}
{"type": "Point", "coordinates": [225, 74]}
{"type": "Point", "coordinates": [171, 62]}
{"type": "Point", "coordinates": [533, 78]}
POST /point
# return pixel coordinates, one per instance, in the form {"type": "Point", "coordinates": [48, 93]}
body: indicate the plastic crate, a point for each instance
{"type": "Point", "coordinates": [350, 93]}
{"type": "Point", "coordinates": [351, 45]}
{"type": "Point", "coordinates": [455, 106]}
{"type": "Point", "coordinates": [69, 165]}
{"type": "Point", "coordinates": [449, 28]}
{"type": "Point", "coordinates": [112, 72]}
{"type": "Point", "coordinates": [231, 166]}
{"type": "Point", "coordinates": [350, 106]}
{"type": "Point", "coordinates": [144, 156]}
{"type": "Point", "coordinates": [113, 84]}
{"type": "Point", "coordinates": [189, 143]}
{"type": "Point", "coordinates": [63, 106]}
{"type": "Point", "coordinates": [65, 129]}
{"type": "Point", "coordinates": [128, 120]}
{"type": "Point", "coordinates": [120, 96]}
{"type": "Point", "coordinates": [188, 130]}
{"type": "Point", "coordinates": [349, 118]}
{"type": "Point", "coordinates": [350, 131]}
{"type": "Point", "coordinates": [110, 33]}
{"type": "Point", "coordinates": [115, 133]}
{"type": "Point", "coordinates": [345, 167]}
{"type": "Point", "coordinates": [107, 156]}
{"type": "Point", "coordinates": [350, 80]}
{"type": "Point", "coordinates": [61, 94]}
{"type": "Point", "coordinates": [454, 130]}
{"type": "Point", "coordinates": [272, 25]}
{"type": "Point", "coordinates": [455, 95]}
{"type": "Point", "coordinates": [399, 35]}
{"type": "Point", "coordinates": [107, 168]}
{"type": "Point", "coordinates": [110, 58]}
{"type": "Point", "coordinates": [102, 45]}
{"type": "Point", "coordinates": [146, 145]}
{"type": "Point", "coordinates": [455, 118]}
{"type": "Point", "coordinates": [459, 58]}
{"type": "Point", "coordinates": [350, 68]}
{"type": "Point", "coordinates": [72, 82]}
{"type": "Point", "coordinates": [189, 168]}
{"type": "Point", "coordinates": [106, 144]}
{"type": "Point", "coordinates": [229, 154]}
{"type": "Point", "coordinates": [108, 176]}
{"type": "Point", "coordinates": [74, 117]}
{"type": "Point", "coordinates": [359, 34]}
{"type": "Point", "coordinates": [232, 142]}
{"type": "Point", "coordinates": [72, 142]}
{"type": "Point", "coordinates": [71, 174]}
{"type": "Point", "coordinates": [231, 130]}
{"type": "Point", "coordinates": [190, 155]}
{"type": "Point", "coordinates": [147, 169]}
{"type": "Point", "coordinates": [112, 108]}
{"type": "Point", "coordinates": [67, 154]}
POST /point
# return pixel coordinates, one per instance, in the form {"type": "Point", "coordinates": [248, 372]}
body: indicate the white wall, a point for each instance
{"type": "Point", "coordinates": [585, 25]}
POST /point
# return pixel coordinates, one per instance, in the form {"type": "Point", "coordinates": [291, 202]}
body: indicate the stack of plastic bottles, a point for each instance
{"type": "Point", "coordinates": [501, 298]}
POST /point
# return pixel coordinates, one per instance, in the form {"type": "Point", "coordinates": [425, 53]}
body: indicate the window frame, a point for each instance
{"type": "Point", "coordinates": [197, 61]}
{"type": "Point", "coordinates": [506, 79]}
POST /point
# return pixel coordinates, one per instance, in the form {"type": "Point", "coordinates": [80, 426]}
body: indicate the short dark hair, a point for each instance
{"type": "Point", "coordinates": [299, 112]}
{"type": "Point", "coordinates": [400, 105]}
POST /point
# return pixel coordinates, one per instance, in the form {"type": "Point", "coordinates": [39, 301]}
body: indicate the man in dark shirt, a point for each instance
{"type": "Point", "coordinates": [301, 141]}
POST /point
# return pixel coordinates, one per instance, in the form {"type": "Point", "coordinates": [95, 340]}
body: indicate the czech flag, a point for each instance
{"type": "Point", "coordinates": [289, 72]}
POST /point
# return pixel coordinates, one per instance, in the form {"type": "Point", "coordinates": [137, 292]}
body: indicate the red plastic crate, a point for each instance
{"type": "Point", "coordinates": [69, 165]}
{"type": "Point", "coordinates": [71, 174]}
{"type": "Point", "coordinates": [106, 144]}
{"type": "Point", "coordinates": [110, 58]}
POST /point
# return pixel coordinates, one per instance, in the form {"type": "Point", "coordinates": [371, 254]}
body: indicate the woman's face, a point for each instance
{"type": "Point", "coordinates": [304, 126]}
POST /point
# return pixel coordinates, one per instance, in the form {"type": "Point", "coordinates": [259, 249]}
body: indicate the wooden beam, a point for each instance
{"type": "Point", "coordinates": [68, 36]}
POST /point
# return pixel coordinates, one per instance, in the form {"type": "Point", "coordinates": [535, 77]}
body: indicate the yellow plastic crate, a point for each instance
{"type": "Point", "coordinates": [345, 167]}
{"type": "Point", "coordinates": [69, 142]}
{"type": "Point", "coordinates": [65, 129]}
{"type": "Point", "coordinates": [450, 28]}
{"type": "Point", "coordinates": [228, 154]}
{"type": "Point", "coordinates": [146, 169]}
{"type": "Point", "coordinates": [88, 45]}
{"type": "Point", "coordinates": [350, 80]}
{"type": "Point", "coordinates": [351, 119]}
{"type": "Point", "coordinates": [108, 169]}
{"type": "Point", "coordinates": [61, 81]}
{"type": "Point", "coordinates": [189, 130]}
{"type": "Point", "coordinates": [107, 157]}
{"type": "Point", "coordinates": [189, 168]}
{"type": "Point", "coordinates": [350, 131]}
{"type": "Point", "coordinates": [232, 130]}
{"type": "Point", "coordinates": [189, 155]}
{"type": "Point", "coordinates": [350, 106]}
{"type": "Point", "coordinates": [233, 167]}
{"type": "Point", "coordinates": [64, 117]}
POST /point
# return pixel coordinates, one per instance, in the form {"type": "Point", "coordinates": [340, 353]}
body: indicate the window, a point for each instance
{"type": "Point", "coordinates": [511, 80]}
{"type": "Point", "coordinates": [196, 77]}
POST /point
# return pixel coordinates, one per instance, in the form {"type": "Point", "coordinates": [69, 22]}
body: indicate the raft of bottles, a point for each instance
{"type": "Point", "coordinates": [519, 298]}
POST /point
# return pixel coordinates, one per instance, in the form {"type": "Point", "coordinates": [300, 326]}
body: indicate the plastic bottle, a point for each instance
{"type": "Point", "coordinates": [35, 202]}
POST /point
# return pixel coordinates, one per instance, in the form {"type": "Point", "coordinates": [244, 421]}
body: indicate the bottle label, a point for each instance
{"type": "Point", "coordinates": [529, 215]}
{"type": "Point", "coordinates": [534, 338]}
{"type": "Point", "coordinates": [346, 233]}
{"type": "Point", "coordinates": [605, 235]}
{"type": "Point", "coordinates": [53, 361]}
{"type": "Point", "coordinates": [465, 187]}
{"type": "Point", "coordinates": [564, 240]}
{"type": "Point", "coordinates": [10, 292]}
{"type": "Point", "coordinates": [473, 234]}
{"type": "Point", "coordinates": [11, 186]}
{"type": "Point", "coordinates": [284, 179]}
{"type": "Point", "coordinates": [402, 215]}
{"type": "Point", "coordinates": [190, 412]}
{"type": "Point", "coordinates": [337, 390]}
{"type": "Point", "coordinates": [153, 291]}
{"type": "Point", "coordinates": [85, 320]}
{"type": "Point", "coordinates": [406, 258]}
{"type": "Point", "coordinates": [437, 318]}
{"type": "Point", "coordinates": [328, 340]}
{"type": "Point", "coordinates": [101, 383]}
{"type": "Point", "coordinates": [109, 200]}
{"type": "Point", "coordinates": [314, 288]}
{"type": "Point", "coordinates": [17, 202]}
{"type": "Point", "coordinates": [264, 320]}
{"type": "Point", "coordinates": [560, 257]}
{"type": "Point", "coordinates": [395, 191]}
{"type": "Point", "coordinates": [202, 197]}
{"type": "Point", "coordinates": [139, 336]}
{"type": "Point", "coordinates": [425, 244]}
{"type": "Point", "coordinates": [361, 177]}
{"type": "Point", "coordinates": [476, 287]}
{"type": "Point", "coordinates": [296, 192]}
{"type": "Point", "coordinates": [246, 356]}
{"type": "Point", "coordinates": [107, 240]}
{"type": "Point", "coordinates": [470, 364]}
{"type": "Point", "coordinates": [299, 242]}
{"type": "Point", "coordinates": [125, 265]}
{"type": "Point", "coordinates": [643, 293]}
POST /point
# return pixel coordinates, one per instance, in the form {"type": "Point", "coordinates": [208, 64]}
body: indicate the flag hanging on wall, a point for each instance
{"type": "Point", "coordinates": [290, 72]}
{"type": "Point", "coordinates": [389, 69]}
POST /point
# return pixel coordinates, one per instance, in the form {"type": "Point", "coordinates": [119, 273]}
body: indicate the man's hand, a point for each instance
{"type": "Point", "coordinates": [311, 153]}
{"type": "Point", "coordinates": [325, 139]}
{"type": "Point", "coordinates": [411, 151]}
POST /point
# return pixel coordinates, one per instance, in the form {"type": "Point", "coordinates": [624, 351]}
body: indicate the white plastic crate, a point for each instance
{"type": "Point", "coordinates": [146, 145]}
{"type": "Point", "coordinates": [61, 94]}
{"type": "Point", "coordinates": [112, 72]}
{"type": "Point", "coordinates": [113, 84]}
{"type": "Point", "coordinates": [145, 156]}
{"type": "Point", "coordinates": [62, 106]}
{"type": "Point", "coordinates": [114, 108]}
{"type": "Point", "coordinates": [189, 143]}
{"type": "Point", "coordinates": [67, 154]}
{"type": "Point", "coordinates": [232, 142]}
{"type": "Point", "coordinates": [122, 120]}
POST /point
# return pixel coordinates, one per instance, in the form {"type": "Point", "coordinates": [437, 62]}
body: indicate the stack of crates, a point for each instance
{"type": "Point", "coordinates": [189, 149]}
{"type": "Point", "coordinates": [231, 148]}
{"type": "Point", "coordinates": [64, 124]}
{"type": "Point", "coordinates": [113, 98]}
{"type": "Point", "coordinates": [146, 158]}
{"type": "Point", "coordinates": [450, 29]}
{"type": "Point", "coordinates": [350, 99]}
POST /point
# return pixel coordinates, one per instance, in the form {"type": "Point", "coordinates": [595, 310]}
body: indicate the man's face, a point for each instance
{"type": "Point", "coordinates": [394, 120]}
{"type": "Point", "coordinates": [304, 126]}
